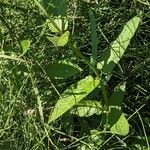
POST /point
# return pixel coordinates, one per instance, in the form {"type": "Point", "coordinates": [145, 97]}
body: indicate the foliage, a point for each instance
{"type": "Point", "coordinates": [74, 74]}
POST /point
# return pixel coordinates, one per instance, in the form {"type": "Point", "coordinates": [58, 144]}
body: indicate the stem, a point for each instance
{"type": "Point", "coordinates": [104, 93]}
{"type": "Point", "coordinates": [48, 16]}
{"type": "Point", "coordinates": [79, 54]}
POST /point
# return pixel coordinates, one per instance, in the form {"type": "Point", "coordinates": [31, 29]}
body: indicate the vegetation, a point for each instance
{"type": "Point", "coordinates": [74, 75]}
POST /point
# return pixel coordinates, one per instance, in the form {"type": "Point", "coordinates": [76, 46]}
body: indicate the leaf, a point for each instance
{"type": "Point", "coordinates": [73, 95]}
{"type": "Point", "coordinates": [62, 24]}
{"type": "Point", "coordinates": [121, 126]}
{"type": "Point", "coordinates": [115, 119]}
{"type": "Point", "coordinates": [25, 45]}
{"type": "Point", "coordinates": [56, 7]}
{"type": "Point", "coordinates": [112, 56]}
{"type": "Point", "coordinates": [60, 40]}
{"type": "Point", "coordinates": [94, 37]}
{"type": "Point", "coordinates": [94, 141]}
{"type": "Point", "coordinates": [62, 70]}
{"type": "Point", "coordinates": [86, 108]}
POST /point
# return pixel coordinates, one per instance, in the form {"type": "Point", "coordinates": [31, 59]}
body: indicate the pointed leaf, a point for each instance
{"type": "Point", "coordinates": [121, 126]}
{"type": "Point", "coordinates": [114, 119]}
{"type": "Point", "coordinates": [62, 24]}
{"type": "Point", "coordinates": [112, 56]}
{"type": "Point", "coordinates": [73, 95]}
{"type": "Point", "coordinates": [60, 40]}
{"type": "Point", "coordinates": [93, 37]}
{"type": "Point", "coordinates": [62, 70]}
{"type": "Point", "coordinates": [86, 108]}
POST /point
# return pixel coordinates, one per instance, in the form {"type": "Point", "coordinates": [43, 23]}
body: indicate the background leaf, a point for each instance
{"type": "Point", "coordinates": [121, 126]}
{"type": "Point", "coordinates": [25, 45]}
{"type": "Point", "coordinates": [73, 95]}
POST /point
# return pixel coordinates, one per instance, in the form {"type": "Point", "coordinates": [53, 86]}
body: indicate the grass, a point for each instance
{"type": "Point", "coordinates": [28, 95]}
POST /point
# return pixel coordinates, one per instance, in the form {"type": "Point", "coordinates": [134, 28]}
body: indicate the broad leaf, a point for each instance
{"type": "Point", "coordinates": [112, 56]}
{"type": "Point", "coordinates": [73, 95]}
{"type": "Point", "coordinates": [115, 119]}
{"type": "Point", "coordinates": [121, 126]}
{"type": "Point", "coordinates": [59, 40]}
{"type": "Point", "coordinates": [86, 108]}
{"type": "Point", "coordinates": [62, 70]}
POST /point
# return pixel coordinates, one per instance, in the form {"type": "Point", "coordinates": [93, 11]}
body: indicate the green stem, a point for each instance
{"type": "Point", "coordinates": [48, 16]}
{"type": "Point", "coordinates": [105, 95]}
{"type": "Point", "coordinates": [79, 54]}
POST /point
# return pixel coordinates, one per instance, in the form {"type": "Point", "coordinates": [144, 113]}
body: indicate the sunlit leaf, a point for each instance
{"type": "Point", "coordinates": [25, 46]}
{"type": "Point", "coordinates": [73, 95]}
{"type": "Point", "coordinates": [86, 108]}
{"type": "Point", "coordinates": [112, 56]}
{"type": "Point", "coordinates": [59, 40]}
{"type": "Point", "coordinates": [121, 126]}
{"type": "Point", "coordinates": [114, 119]}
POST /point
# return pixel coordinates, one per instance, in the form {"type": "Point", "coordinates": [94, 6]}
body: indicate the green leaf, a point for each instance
{"type": "Point", "coordinates": [62, 24]}
{"type": "Point", "coordinates": [60, 40]}
{"type": "Point", "coordinates": [86, 108]}
{"type": "Point", "coordinates": [94, 141]}
{"type": "Point", "coordinates": [62, 70]}
{"type": "Point", "coordinates": [94, 37]}
{"type": "Point", "coordinates": [73, 95]}
{"type": "Point", "coordinates": [115, 119]}
{"type": "Point", "coordinates": [25, 45]}
{"type": "Point", "coordinates": [121, 127]}
{"type": "Point", "coordinates": [55, 7]}
{"type": "Point", "coordinates": [112, 56]}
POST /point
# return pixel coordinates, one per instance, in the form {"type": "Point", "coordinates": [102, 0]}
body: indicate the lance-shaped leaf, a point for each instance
{"type": "Point", "coordinates": [73, 95]}
{"type": "Point", "coordinates": [112, 56]}
{"type": "Point", "coordinates": [63, 69]}
{"type": "Point", "coordinates": [114, 119]}
{"type": "Point", "coordinates": [93, 37]}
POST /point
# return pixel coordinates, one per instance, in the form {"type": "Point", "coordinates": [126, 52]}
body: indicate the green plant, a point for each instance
{"type": "Point", "coordinates": [114, 118]}
{"type": "Point", "coordinates": [64, 84]}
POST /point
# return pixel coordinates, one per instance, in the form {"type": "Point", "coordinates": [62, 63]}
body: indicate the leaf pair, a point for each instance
{"type": "Point", "coordinates": [73, 95]}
